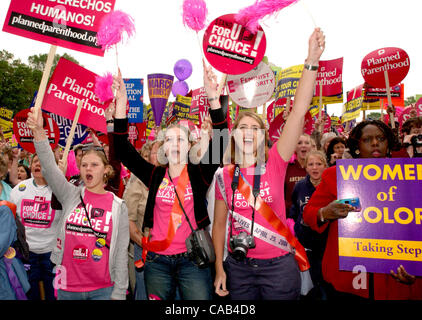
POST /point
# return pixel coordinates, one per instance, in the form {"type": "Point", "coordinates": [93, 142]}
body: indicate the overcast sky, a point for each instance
{"type": "Point", "coordinates": [352, 29]}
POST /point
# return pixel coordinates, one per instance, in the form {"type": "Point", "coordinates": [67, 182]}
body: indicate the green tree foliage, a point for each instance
{"type": "Point", "coordinates": [409, 100]}
{"type": "Point", "coordinates": [374, 116]}
{"type": "Point", "coordinates": [19, 81]}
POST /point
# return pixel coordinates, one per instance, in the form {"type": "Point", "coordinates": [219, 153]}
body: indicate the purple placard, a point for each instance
{"type": "Point", "coordinates": [159, 88]}
{"type": "Point", "coordinates": [386, 233]}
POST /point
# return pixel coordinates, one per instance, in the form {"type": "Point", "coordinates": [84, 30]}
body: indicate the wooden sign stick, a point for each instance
{"type": "Point", "coordinates": [382, 108]}
{"type": "Point", "coordinates": [288, 103]}
{"type": "Point", "coordinates": [320, 101]}
{"type": "Point", "coordinates": [221, 84]}
{"type": "Point", "coordinates": [390, 104]}
{"type": "Point", "coordinates": [72, 130]}
{"type": "Point", "coordinates": [45, 75]}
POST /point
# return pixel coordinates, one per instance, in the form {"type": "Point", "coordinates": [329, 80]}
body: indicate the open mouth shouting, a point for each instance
{"type": "Point", "coordinates": [89, 178]}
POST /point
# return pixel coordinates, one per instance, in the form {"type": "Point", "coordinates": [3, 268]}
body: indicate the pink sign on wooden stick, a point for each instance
{"type": "Point", "coordinates": [69, 84]}
{"type": "Point", "coordinates": [70, 24]}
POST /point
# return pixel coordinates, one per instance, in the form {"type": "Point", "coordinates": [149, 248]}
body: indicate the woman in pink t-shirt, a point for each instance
{"type": "Point", "coordinates": [92, 241]}
{"type": "Point", "coordinates": [176, 203]}
{"type": "Point", "coordinates": [260, 265]}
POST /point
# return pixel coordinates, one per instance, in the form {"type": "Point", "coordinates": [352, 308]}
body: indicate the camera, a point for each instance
{"type": "Point", "coordinates": [200, 248]}
{"type": "Point", "coordinates": [416, 140]}
{"type": "Point", "coordinates": [240, 244]}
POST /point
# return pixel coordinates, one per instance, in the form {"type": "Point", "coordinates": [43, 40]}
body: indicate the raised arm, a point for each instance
{"type": "Point", "coordinates": [51, 172]}
{"type": "Point", "coordinates": [214, 154]}
{"type": "Point", "coordinates": [124, 150]}
{"type": "Point", "coordinates": [286, 144]}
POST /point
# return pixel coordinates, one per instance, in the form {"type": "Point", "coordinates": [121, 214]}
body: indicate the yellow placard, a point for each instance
{"type": "Point", "coordinates": [380, 249]}
{"type": "Point", "coordinates": [352, 109]}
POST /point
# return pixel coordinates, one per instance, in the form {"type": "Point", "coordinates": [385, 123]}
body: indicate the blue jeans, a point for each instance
{"type": "Point", "coordinates": [140, 291]}
{"type": "Point", "coordinates": [263, 279]}
{"type": "Point", "coordinates": [99, 294]}
{"type": "Point", "coordinates": [41, 270]}
{"type": "Point", "coordinates": [165, 274]}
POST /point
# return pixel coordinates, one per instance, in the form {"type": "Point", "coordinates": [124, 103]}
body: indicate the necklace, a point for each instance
{"type": "Point", "coordinates": [315, 182]}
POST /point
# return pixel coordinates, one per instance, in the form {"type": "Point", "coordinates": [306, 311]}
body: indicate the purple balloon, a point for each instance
{"type": "Point", "coordinates": [180, 87]}
{"type": "Point", "coordinates": [182, 69]}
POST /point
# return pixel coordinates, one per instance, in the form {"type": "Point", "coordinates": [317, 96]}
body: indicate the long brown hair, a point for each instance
{"type": "Point", "coordinates": [230, 154]}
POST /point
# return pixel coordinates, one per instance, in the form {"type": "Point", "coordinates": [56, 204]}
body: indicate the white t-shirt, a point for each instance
{"type": "Point", "coordinates": [34, 211]}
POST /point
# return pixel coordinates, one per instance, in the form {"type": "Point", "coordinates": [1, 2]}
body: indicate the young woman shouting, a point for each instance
{"type": "Point", "coordinates": [176, 201]}
{"type": "Point", "coordinates": [268, 269]}
{"type": "Point", "coordinates": [93, 236]}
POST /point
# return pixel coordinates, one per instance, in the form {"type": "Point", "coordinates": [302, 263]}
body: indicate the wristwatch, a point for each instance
{"type": "Point", "coordinates": [311, 67]}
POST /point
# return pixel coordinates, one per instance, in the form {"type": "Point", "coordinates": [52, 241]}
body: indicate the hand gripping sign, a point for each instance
{"type": "Point", "coordinates": [385, 233]}
{"type": "Point", "coordinates": [24, 135]}
{"type": "Point", "coordinates": [231, 48]}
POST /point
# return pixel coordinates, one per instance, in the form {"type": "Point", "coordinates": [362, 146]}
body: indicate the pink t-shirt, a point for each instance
{"type": "Point", "coordinates": [271, 191]}
{"type": "Point", "coordinates": [163, 205]}
{"type": "Point", "coordinates": [85, 257]}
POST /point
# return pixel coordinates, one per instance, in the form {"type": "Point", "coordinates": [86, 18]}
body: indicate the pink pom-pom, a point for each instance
{"type": "Point", "coordinates": [112, 28]}
{"type": "Point", "coordinates": [194, 14]}
{"type": "Point", "coordinates": [103, 87]}
{"type": "Point", "coordinates": [72, 168]}
{"type": "Point", "coordinates": [250, 16]}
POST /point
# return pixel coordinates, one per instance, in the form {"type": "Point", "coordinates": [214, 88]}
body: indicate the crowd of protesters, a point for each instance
{"type": "Point", "coordinates": [101, 235]}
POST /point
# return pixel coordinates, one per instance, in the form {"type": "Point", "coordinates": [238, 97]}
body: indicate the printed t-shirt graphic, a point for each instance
{"type": "Point", "coordinates": [271, 191]}
{"type": "Point", "coordinates": [85, 256]}
{"type": "Point", "coordinates": [162, 212]}
{"type": "Point", "coordinates": [34, 211]}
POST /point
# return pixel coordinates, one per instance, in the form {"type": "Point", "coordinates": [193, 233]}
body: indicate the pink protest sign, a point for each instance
{"type": "Point", "coordinates": [200, 104]}
{"type": "Point", "coordinates": [69, 84]}
{"type": "Point", "coordinates": [137, 134]}
{"type": "Point", "coordinates": [393, 60]}
{"type": "Point", "coordinates": [275, 108]}
{"type": "Point", "coordinates": [72, 24]}
{"type": "Point", "coordinates": [231, 48]}
{"type": "Point", "coordinates": [329, 76]}
{"type": "Point", "coordinates": [253, 88]}
{"type": "Point", "coordinates": [24, 135]}
{"type": "Point", "coordinates": [411, 111]}
{"type": "Point", "coordinates": [276, 127]}
{"type": "Point", "coordinates": [309, 124]}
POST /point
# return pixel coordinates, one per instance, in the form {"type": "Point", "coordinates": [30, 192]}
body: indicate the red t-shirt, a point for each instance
{"type": "Point", "coordinates": [294, 174]}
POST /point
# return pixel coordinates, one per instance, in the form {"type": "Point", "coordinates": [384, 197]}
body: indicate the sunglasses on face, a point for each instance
{"type": "Point", "coordinates": [91, 147]}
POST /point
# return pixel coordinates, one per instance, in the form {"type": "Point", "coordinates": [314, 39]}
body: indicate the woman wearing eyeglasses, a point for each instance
{"type": "Point", "coordinates": [91, 249]}
{"type": "Point", "coordinates": [176, 201]}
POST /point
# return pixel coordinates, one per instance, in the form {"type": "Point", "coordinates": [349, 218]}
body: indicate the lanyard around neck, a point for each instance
{"type": "Point", "coordinates": [255, 190]}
